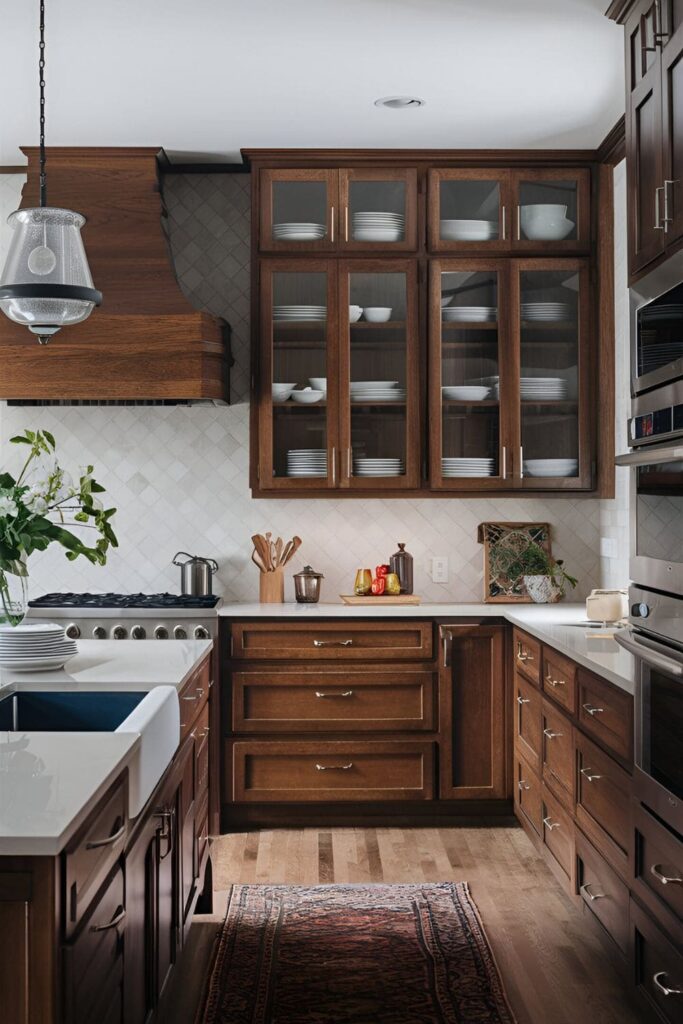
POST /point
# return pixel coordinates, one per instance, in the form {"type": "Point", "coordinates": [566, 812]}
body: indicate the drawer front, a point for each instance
{"type": "Point", "coordinates": [603, 795]}
{"type": "Point", "coordinates": [333, 701]}
{"type": "Point", "coordinates": [527, 793]}
{"type": "Point", "coordinates": [658, 867]}
{"type": "Point", "coordinates": [298, 772]}
{"type": "Point", "coordinates": [559, 679]}
{"type": "Point", "coordinates": [528, 729]}
{"type": "Point", "coordinates": [558, 831]}
{"type": "Point", "coordinates": [602, 891]}
{"type": "Point", "coordinates": [607, 714]}
{"type": "Point", "coordinates": [193, 696]}
{"type": "Point", "coordinates": [558, 753]}
{"type": "Point", "coordinates": [201, 753]}
{"type": "Point", "coordinates": [91, 855]}
{"type": "Point", "coordinates": [658, 966]}
{"type": "Point", "coordinates": [527, 655]}
{"type": "Point", "coordinates": [337, 641]}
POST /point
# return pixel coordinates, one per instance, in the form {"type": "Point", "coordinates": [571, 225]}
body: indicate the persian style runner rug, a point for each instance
{"type": "Point", "coordinates": [354, 954]}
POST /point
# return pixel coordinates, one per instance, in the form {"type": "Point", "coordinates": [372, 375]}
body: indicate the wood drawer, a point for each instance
{"type": "Point", "coordinates": [527, 655]}
{"type": "Point", "coordinates": [602, 891]}
{"type": "Point", "coordinates": [603, 798]}
{"type": "Point", "coordinates": [558, 832]}
{"type": "Point", "coordinates": [333, 700]}
{"type": "Point", "coordinates": [528, 729]}
{"type": "Point", "coordinates": [527, 794]}
{"type": "Point", "coordinates": [265, 771]}
{"type": "Point", "coordinates": [559, 679]}
{"type": "Point", "coordinates": [658, 866]}
{"type": "Point", "coordinates": [92, 853]}
{"type": "Point", "coordinates": [201, 753]}
{"type": "Point", "coordinates": [607, 714]}
{"type": "Point", "coordinates": [558, 753]}
{"type": "Point", "coordinates": [193, 696]}
{"type": "Point", "coordinates": [658, 965]}
{"type": "Point", "coordinates": [338, 641]}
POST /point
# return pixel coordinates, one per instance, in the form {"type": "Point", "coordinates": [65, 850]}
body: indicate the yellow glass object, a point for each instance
{"type": "Point", "coordinates": [363, 584]}
{"type": "Point", "coordinates": [392, 584]}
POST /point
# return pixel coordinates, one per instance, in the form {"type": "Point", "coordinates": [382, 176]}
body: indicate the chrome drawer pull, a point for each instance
{"type": "Point", "coordinates": [117, 919]}
{"type": "Point", "coordinates": [346, 693]}
{"type": "Point", "coordinates": [333, 643]}
{"type": "Point", "coordinates": [586, 888]}
{"type": "Point", "coordinates": [334, 767]}
{"type": "Point", "coordinates": [523, 785]}
{"type": "Point", "coordinates": [550, 824]}
{"type": "Point", "coordinates": [551, 735]}
{"type": "Point", "coordinates": [664, 879]}
{"type": "Point", "coordinates": [663, 988]}
{"type": "Point", "coordinates": [591, 710]}
{"type": "Point", "coordinates": [589, 774]}
{"type": "Point", "coordinates": [524, 700]}
{"type": "Point", "coordinates": [193, 699]}
{"type": "Point", "coordinates": [555, 682]}
{"type": "Point", "coordinates": [95, 844]}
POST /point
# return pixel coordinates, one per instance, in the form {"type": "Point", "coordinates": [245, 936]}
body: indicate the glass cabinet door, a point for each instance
{"type": "Point", "coordinates": [378, 209]}
{"type": "Point", "coordinates": [554, 419]}
{"type": "Point", "coordinates": [552, 210]}
{"type": "Point", "coordinates": [469, 387]}
{"type": "Point", "coordinates": [298, 416]}
{"type": "Point", "coordinates": [469, 209]}
{"type": "Point", "coordinates": [298, 209]}
{"type": "Point", "coordinates": [379, 400]}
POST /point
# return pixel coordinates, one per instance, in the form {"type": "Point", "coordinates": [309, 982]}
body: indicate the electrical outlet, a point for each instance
{"type": "Point", "coordinates": [439, 570]}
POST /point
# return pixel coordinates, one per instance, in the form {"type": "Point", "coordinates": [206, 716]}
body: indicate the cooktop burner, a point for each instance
{"type": "Point", "coordinates": [123, 601]}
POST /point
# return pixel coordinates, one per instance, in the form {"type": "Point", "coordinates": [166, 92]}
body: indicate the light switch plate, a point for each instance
{"type": "Point", "coordinates": [439, 571]}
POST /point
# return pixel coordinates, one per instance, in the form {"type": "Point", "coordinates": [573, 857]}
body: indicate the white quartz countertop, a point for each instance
{"type": "Point", "coordinates": [49, 781]}
{"type": "Point", "coordinates": [562, 626]}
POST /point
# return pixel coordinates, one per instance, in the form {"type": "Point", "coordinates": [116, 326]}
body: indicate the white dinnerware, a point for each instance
{"type": "Point", "coordinates": [465, 393]}
{"type": "Point", "coordinates": [377, 314]}
{"type": "Point", "coordinates": [307, 396]}
{"type": "Point", "coordinates": [355, 313]}
{"type": "Point", "coordinates": [468, 230]}
{"type": "Point", "coordinates": [281, 392]}
{"type": "Point", "coordinates": [545, 221]}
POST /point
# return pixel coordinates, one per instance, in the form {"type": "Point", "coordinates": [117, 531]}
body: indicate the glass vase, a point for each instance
{"type": "Point", "coordinates": [13, 598]}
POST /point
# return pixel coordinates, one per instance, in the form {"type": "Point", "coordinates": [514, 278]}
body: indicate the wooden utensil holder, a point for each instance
{"type": "Point", "coordinates": [272, 587]}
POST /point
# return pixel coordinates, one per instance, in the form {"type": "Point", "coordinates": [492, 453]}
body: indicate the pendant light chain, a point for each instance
{"type": "Point", "coordinates": [41, 80]}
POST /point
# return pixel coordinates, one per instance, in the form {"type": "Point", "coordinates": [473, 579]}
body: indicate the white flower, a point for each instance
{"type": "Point", "coordinates": [8, 506]}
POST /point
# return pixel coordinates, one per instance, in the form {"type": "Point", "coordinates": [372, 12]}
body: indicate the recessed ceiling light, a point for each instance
{"type": "Point", "coordinates": [399, 102]}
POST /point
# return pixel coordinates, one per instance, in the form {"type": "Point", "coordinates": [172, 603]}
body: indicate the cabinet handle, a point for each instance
{"type": "Point", "coordinates": [333, 643]}
{"type": "Point", "coordinates": [664, 879]}
{"type": "Point", "coordinates": [524, 700]}
{"type": "Point", "coordinates": [332, 223]}
{"type": "Point", "coordinates": [555, 682]}
{"type": "Point", "coordinates": [550, 824]}
{"type": "Point", "coordinates": [586, 888]}
{"type": "Point", "coordinates": [346, 223]}
{"type": "Point", "coordinates": [346, 693]}
{"type": "Point", "coordinates": [659, 34]}
{"type": "Point", "coordinates": [522, 653]}
{"type": "Point", "coordinates": [521, 461]}
{"type": "Point", "coordinates": [551, 735]}
{"type": "Point", "coordinates": [589, 774]}
{"type": "Point", "coordinates": [519, 223]}
{"type": "Point", "coordinates": [504, 472]}
{"type": "Point", "coordinates": [523, 785]}
{"type": "Point", "coordinates": [349, 462]}
{"type": "Point", "coordinates": [167, 817]}
{"type": "Point", "coordinates": [663, 988]}
{"type": "Point", "coordinates": [334, 466]}
{"type": "Point", "coordinates": [116, 919]}
{"type": "Point", "coordinates": [333, 767]}
{"type": "Point", "coordinates": [192, 699]}
{"type": "Point", "coordinates": [503, 226]}
{"type": "Point", "coordinates": [658, 226]}
{"type": "Point", "coordinates": [666, 219]}
{"type": "Point", "coordinates": [96, 844]}
{"type": "Point", "coordinates": [591, 710]}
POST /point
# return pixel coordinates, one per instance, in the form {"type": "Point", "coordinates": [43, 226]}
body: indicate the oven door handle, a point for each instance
{"type": "Point", "coordinates": [651, 457]}
{"type": "Point", "coordinates": [650, 655]}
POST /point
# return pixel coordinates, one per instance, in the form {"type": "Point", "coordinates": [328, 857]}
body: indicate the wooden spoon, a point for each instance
{"type": "Point", "coordinates": [256, 559]}
{"type": "Point", "coordinates": [261, 545]}
{"type": "Point", "coordinates": [295, 545]}
{"type": "Point", "coordinates": [278, 552]}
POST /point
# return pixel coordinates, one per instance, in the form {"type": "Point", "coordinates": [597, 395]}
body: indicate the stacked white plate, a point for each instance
{"type": "Point", "coordinates": [468, 230]}
{"type": "Point", "coordinates": [452, 467]}
{"type": "Point", "coordinates": [34, 647]}
{"type": "Point", "coordinates": [307, 462]}
{"type": "Point", "coordinates": [377, 226]}
{"type": "Point", "coordinates": [378, 467]}
{"type": "Point", "coordinates": [663, 312]}
{"type": "Point", "coordinates": [543, 388]}
{"type": "Point", "coordinates": [468, 314]}
{"type": "Point", "coordinates": [546, 311]}
{"type": "Point", "coordinates": [298, 231]}
{"type": "Point", "coordinates": [466, 392]}
{"type": "Point", "coordinates": [295, 313]}
{"type": "Point", "coordinates": [377, 391]}
{"type": "Point", "coordinates": [551, 467]}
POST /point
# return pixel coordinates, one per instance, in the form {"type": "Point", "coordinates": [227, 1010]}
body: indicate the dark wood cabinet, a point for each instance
{"type": "Point", "coordinates": [658, 965]}
{"type": "Point", "coordinates": [528, 726]}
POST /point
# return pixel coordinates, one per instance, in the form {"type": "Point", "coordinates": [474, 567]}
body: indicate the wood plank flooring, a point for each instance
{"type": "Point", "coordinates": [554, 967]}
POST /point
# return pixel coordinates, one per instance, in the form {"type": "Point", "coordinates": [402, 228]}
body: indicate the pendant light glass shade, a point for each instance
{"type": "Point", "coordinates": [46, 283]}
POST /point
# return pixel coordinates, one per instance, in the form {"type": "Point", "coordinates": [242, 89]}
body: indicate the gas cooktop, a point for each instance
{"type": "Point", "coordinates": [91, 601]}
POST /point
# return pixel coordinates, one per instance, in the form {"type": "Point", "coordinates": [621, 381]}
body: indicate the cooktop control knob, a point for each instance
{"type": "Point", "coordinates": [640, 610]}
{"type": "Point", "coordinates": [138, 633]}
{"type": "Point", "coordinates": [201, 633]}
{"type": "Point", "coordinates": [160, 633]}
{"type": "Point", "coordinates": [119, 633]}
{"type": "Point", "coordinates": [180, 633]}
{"type": "Point", "coordinates": [99, 633]}
{"type": "Point", "coordinates": [72, 631]}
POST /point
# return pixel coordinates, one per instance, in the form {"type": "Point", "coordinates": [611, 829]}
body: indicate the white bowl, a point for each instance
{"type": "Point", "coordinates": [468, 230]}
{"type": "Point", "coordinates": [377, 314]}
{"type": "Point", "coordinates": [545, 222]}
{"type": "Point", "coordinates": [465, 393]}
{"type": "Point", "coordinates": [281, 392]}
{"type": "Point", "coordinates": [355, 313]}
{"type": "Point", "coordinates": [307, 396]}
{"type": "Point", "coordinates": [318, 383]}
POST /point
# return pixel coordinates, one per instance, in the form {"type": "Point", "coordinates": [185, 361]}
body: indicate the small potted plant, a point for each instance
{"type": "Point", "coordinates": [544, 577]}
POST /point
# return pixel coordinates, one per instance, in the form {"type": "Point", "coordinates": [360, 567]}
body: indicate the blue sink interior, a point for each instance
{"type": "Point", "coordinates": [58, 711]}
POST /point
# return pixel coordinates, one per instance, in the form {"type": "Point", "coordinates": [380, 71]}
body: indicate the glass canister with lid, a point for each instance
{"type": "Point", "coordinates": [307, 585]}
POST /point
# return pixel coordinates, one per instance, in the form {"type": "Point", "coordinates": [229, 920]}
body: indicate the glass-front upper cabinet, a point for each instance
{"type": "Point", "coordinates": [378, 209]}
{"type": "Point", "coordinates": [551, 299]}
{"type": "Point", "coordinates": [552, 210]}
{"type": "Point", "coordinates": [470, 377]}
{"type": "Point", "coordinates": [298, 446]}
{"type": "Point", "coordinates": [469, 209]}
{"type": "Point", "coordinates": [298, 209]}
{"type": "Point", "coordinates": [379, 375]}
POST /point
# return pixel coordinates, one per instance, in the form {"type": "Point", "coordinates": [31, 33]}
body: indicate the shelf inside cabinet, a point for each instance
{"type": "Point", "coordinates": [366, 325]}
{"type": "Point", "coordinates": [469, 325]}
{"type": "Point", "coordinates": [487, 403]}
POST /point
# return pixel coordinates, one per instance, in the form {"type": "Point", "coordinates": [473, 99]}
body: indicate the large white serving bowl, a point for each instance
{"type": "Point", "coordinates": [377, 314]}
{"type": "Point", "coordinates": [281, 392]}
{"type": "Point", "coordinates": [318, 383]}
{"type": "Point", "coordinates": [355, 313]}
{"type": "Point", "coordinates": [307, 396]}
{"type": "Point", "coordinates": [545, 221]}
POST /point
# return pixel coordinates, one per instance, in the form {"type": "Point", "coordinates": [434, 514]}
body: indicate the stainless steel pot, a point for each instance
{"type": "Point", "coordinates": [195, 574]}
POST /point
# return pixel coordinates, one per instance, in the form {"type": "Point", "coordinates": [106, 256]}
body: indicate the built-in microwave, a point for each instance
{"type": "Point", "coordinates": [656, 312]}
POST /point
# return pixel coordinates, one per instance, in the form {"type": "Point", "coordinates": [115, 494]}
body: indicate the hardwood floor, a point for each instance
{"type": "Point", "coordinates": [554, 967]}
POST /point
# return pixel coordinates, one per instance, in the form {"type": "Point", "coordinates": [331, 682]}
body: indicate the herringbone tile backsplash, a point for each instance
{"type": "Point", "coordinates": [179, 476]}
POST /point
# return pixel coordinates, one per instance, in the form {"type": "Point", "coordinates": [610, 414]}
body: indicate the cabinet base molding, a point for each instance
{"type": "Point", "coordinates": [431, 814]}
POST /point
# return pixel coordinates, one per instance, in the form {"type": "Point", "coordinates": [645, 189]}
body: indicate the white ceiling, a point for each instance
{"type": "Point", "coordinates": [204, 77]}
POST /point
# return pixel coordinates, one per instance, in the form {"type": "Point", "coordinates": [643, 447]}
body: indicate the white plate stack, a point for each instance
{"type": "Point", "coordinates": [548, 312]}
{"type": "Point", "coordinates": [376, 226]}
{"type": "Point", "coordinates": [466, 393]}
{"type": "Point", "coordinates": [307, 462]}
{"type": "Point", "coordinates": [35, 648]}
{"type": "Point", "coordinates": [469, 314]}
{"type": "Point", "coordinates": [377, 391]}
{"type": "Point", "coordinates": [669, 311]}
{"type": "Point", "coordinates": [452, 467]}
{"type": "Point", "coordinates": [551, 467]}
{"type": "Point", "coordinates": [543, 389]}
{"type": "Point", "coordinates": [468, 230]}
{"type": "Point", "coordinates": [299, 231]}
{"type": "Point", "coordinates": [293, 314]}
{"type": "Point", "coordinates": [378, 467]}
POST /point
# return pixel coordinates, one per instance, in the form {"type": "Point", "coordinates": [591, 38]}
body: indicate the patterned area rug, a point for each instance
{"type": "Point", "coordinates": [354, 954]}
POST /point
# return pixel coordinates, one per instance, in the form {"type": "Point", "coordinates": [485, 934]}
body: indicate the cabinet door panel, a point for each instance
{"type": "Point", "coordinates": [558, 754]}
{"type": "Point", "coordinates": [378, 209]}
{"type": "Point", "coordinates": [603, 798]}
{"type": "Point", "coordinates": [298, 209]}
{"type": "Point", "coordinates": [527, 794]}
{"type": "Point", "coordinates": [528, 728]}
{"type": "Point", "coordinates": [552, 210]}
{"type": "Point", "coordinates": [469, 210]}
{"type": "Point", "coordinates": [672, 124]}
{"type": "Point", "coordinates": [645, 172]}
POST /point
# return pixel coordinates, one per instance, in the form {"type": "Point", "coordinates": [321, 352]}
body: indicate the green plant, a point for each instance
{"type": "Point", "coordinates": [535, 561]}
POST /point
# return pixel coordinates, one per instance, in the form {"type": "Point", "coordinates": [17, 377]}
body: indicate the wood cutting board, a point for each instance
{"type": "Point", "coordinates": [381, 599]}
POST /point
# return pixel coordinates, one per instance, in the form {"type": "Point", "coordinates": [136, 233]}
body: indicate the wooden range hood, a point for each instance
{"type": "Point", "coordinates": [145, 342]}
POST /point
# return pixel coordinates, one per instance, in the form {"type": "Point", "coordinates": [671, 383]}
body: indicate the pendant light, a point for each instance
{"type": "Point", "coordinates": [46, 283]}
